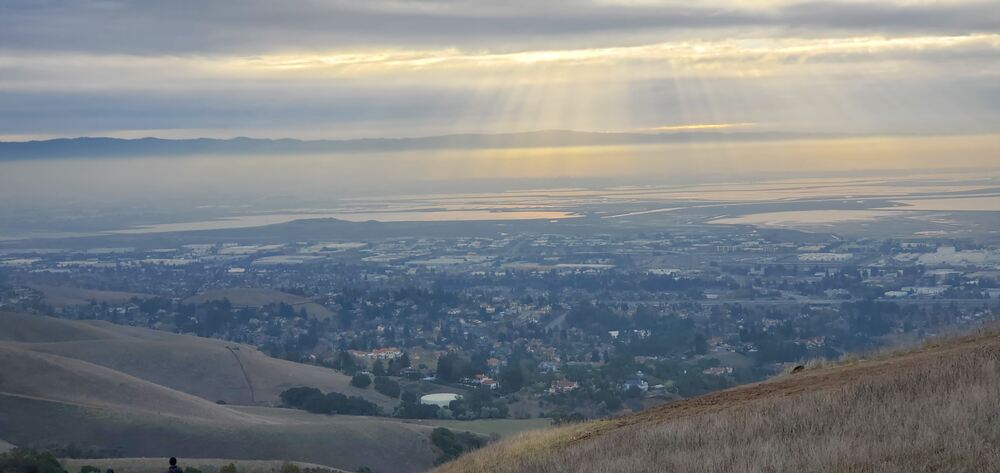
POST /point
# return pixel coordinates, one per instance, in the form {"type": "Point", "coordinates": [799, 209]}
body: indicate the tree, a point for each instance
{"type": "Point", "coordinates": [378, 368]}
{"type": "Point", "coordinates": [452, 367]}
{"type": "Point", "coordinates": [387, 386]}
{"type": "Point", "coordinates": [700, 344]}
{"type": "Point", "coordinates": [290, 468]}
{"type": "Point", "coordinates": [512, 378]}
{"type": "Point", "coordinates": [361, 380]}
{"type": "Point", "coordinates": [345, 362]}
{"type": "Point", "coordinates": [230, 468]}
{"type": "Point", "coordinates": [297, 397]}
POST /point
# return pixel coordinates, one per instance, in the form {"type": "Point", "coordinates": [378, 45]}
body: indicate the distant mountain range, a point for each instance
{"type": "Point", "coordinates": [116, 147]}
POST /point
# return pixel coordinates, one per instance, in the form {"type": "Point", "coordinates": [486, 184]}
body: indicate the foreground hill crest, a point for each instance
{"type": "Point", "coordinates": [929, 409]}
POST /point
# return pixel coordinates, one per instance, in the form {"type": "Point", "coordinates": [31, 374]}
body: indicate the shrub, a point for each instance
{"type": "Point", "coordinates": [411, 397]}
{"type": "Point", "coordinates": [453, 445]}
{"type": "Point", "coordinates": [361, 380]}
{"type": "Point", "coordinates": [298, 397]}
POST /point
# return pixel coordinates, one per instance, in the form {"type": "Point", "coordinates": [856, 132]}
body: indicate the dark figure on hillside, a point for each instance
{"type": "Point", "coordinates": [798, 369]}
{"type": "Point", "coordinates": [173, 466]}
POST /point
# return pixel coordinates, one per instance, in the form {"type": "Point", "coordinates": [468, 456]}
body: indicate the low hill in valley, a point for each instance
{"type": "Point", "coordinates": [62, 296]}
{"type": "Point", "coordinates": [208, 368]}
{"type": "Point", "coordinates": [259, 297]}
{"type": "Point", "coordinates": [126, 391]}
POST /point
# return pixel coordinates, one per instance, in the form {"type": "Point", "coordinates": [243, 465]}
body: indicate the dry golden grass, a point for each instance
{"type": "Point", "coordinates": [933, 408]}
{"type": "Point", "coordinates": [203, 367]}
{"type": "Point", "coordinates": [135, 392]}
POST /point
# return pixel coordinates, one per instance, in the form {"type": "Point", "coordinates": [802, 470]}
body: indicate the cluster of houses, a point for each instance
{"type": "Point", "coordinates": [481, 380]}
{"type": "Point", "coordinates": [718, 370]}
{"type": "Point", "coordinates": [378, 353]}
{"type": "Point", "coordinates": [560, 386]}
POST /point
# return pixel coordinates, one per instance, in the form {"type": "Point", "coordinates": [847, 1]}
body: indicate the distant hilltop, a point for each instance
{"type": "Point", "coordinates": [117, 147]}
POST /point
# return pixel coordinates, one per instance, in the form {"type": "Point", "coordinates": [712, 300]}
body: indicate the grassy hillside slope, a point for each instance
{"type": "Point", "coordinates": [42, 376]}
{"type": "Point", "coordinates": [92, 385]}
{"type": "Point", "coordinates": [211, 369]}
{"type": "Point", "coordinates": [936, 408]}
{"type": "Point", "coordinates": [345, 442]}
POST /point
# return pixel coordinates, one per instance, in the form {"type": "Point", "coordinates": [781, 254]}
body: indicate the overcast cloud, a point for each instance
{"type": "Point", "coordinates": [340, 68]}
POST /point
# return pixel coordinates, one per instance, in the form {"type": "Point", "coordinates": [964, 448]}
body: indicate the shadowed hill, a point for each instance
{"type": "Point", "coordinates": [345, 442]}
{"type": "Point", "coordinates": [207, 368]}
{"type": "Point", "coordinates": [34, 375]}
{"type": "Point", "coordinates": [97, 386]}
{"type": "Point", "coordinates": [931, 409]}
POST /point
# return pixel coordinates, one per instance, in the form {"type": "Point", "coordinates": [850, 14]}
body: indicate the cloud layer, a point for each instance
{"type": "Point", "coordinates": [341, 68]}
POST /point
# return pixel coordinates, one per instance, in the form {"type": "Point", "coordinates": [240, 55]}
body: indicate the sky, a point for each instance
{"type": "Point", "coordinates": [393, 68]}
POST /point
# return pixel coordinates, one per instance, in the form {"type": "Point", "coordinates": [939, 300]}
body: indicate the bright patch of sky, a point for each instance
{"type": "Point", "coordinates": [338, 68]}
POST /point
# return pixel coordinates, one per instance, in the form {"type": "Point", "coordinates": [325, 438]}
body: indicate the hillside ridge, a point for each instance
{"type": "Point", "coordinates": [847, 405]}
{"type": "Point", "coordinates": [121, 391]}
{"type": "Point", "coordinates": [204, 367]}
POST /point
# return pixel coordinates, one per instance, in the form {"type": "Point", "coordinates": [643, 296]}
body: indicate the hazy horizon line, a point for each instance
{"type": "Point", "coordinates": [693, 130]}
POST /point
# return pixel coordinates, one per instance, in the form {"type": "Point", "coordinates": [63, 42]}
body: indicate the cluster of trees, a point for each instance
{"type": "Point", "coordinates": [313, 400]}
{"type": "Point", "coordinates": [479, 404]}
{"type": "Point", "coordinates": [346, 363]}
{"type": "Point", "coordinates": [383, 384]}
{"type": "Point", "coordinates": [411, 408]}
{"type": "Point", "coordinates": [452, 367]}
{"type": "Point", "coordinates": [387, 386]}
{"type": "Point", "coordinates": [452, 445]}
{"type": "Point", "coordinates": [22, 460]}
